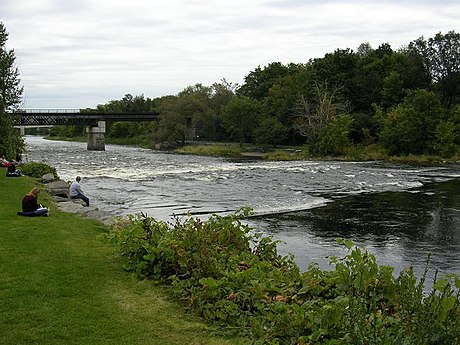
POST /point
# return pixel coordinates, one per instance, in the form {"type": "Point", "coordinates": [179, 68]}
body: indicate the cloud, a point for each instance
{"type": "Point", "coordinates": [81, 53]}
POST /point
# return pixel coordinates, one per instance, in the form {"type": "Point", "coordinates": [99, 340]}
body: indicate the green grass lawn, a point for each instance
{"type": "Point", "coordinates": [61, 284]}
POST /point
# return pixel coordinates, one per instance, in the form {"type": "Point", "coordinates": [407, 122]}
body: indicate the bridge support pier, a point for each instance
{"type": "Point", "coordinates": [96, 137]}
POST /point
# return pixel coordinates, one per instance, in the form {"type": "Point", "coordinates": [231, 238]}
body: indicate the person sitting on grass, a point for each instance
{"type": "Point", "coordinates": [30, 205]}
{"type": "Point", "coordinates": [75, 191]}
{"type": "Point", "coordinates": [12, 172]}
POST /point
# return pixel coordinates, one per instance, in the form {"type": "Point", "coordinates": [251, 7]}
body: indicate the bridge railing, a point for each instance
{"type": "Point", "coordinates": [48, 111]}
{"type": "Point", "coordinates": [53, 117]}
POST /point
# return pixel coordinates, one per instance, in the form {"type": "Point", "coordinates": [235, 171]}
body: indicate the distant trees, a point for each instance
{"type": "Point", "coordinates": [405, 100]}
{"type": "Point", "coordinates": [441, 57]}
{"type": "Point", "coordinates": [411, 126]}
{"type": "Point", "coordinates": [241, 117]}
{"type": "Point", "coordinates": [11, 142]}
{"type": "Point", "coordinates": [196, 113]}
{"type": "Point", "coordinates": [129, 104]}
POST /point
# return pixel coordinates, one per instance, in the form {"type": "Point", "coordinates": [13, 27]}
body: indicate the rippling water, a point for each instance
{"type": "Point", "coordinates": [398, 212]}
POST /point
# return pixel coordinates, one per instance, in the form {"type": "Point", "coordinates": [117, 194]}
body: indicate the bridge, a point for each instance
{"type": "Point", "coordinates": [95, 121]}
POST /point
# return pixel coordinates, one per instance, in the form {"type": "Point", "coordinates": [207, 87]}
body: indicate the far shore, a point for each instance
{"type": "Point", "coordinates": [373, 152]}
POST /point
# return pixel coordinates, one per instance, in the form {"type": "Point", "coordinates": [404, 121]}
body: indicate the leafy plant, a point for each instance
{"type": "Point", "coordinates": [37, 170]}
{"type": "Point", "coordinates": [235, 277]}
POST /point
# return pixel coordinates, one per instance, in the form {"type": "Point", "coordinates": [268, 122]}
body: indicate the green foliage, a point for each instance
{"type": "Point", "coordinates": [219, 150]}
{"type": "Point", "coordinates": [368, 153]}
{"type": "Point", "coordinates": [287, 155]}
{"type": "Point", "coordinates": [415, 88]}
{"type": "Point", "coordinates": [235, 277]}
{"type": "Point", "coordinates": [67, 131]}
{"type": "Point", "coordinates": [333, 137]}
{"type": "Point", "coordinates": [172, 125]}
{"type": "Point", "coordinates": [445, 136]}
{"type": "Point", "coordinates": [37, 170]}
{"type": "Point", "coordinates": [240, 117]}
{"type": "Point", "coordinates": [441, 57]}
{"type": "Point", "coordinates": [410, 127]}
{"type": "Point", "coordinates": [317, 111]}
{"type": "Point", "coordinates": [270, 131]}
{"type": "Point", "coordinates": [11, 142]}
{"type": "Point", "coordinates": [258, 82]}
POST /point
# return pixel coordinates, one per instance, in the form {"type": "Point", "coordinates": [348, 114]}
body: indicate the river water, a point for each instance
{"type": "Point", "coordinates": [397, 212]}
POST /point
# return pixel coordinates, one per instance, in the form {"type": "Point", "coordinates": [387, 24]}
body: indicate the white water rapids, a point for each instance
{"type": "Point", "coordinates": [306, 204]}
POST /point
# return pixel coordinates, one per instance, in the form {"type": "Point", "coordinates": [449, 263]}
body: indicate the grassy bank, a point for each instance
{"type": "Point", "coordinates": [374, 152]}
{"type": "Point", "coordinates": [60, 284]}
{"type": "Point", "coordinates": [288, 153]}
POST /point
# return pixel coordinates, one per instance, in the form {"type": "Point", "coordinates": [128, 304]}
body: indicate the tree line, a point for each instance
{"type": "Point", "coordinates": [405, 101]}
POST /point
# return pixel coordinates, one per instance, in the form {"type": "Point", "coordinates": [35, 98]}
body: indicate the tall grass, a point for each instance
{"type": "Point", "coordinates": [219, 150]}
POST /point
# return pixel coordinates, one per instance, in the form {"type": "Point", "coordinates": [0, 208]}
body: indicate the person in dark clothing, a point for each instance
{"type": "Point", "coordinates": [30, 205]}
{"type": "Point", "coordinates": [12, 172]}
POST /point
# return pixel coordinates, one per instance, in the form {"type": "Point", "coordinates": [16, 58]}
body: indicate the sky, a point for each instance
{"type": "Point", "coordinates": [75, 54]}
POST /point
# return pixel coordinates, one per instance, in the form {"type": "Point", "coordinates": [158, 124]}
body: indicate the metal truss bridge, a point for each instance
{"type": "Point", "coordinates": [52, 117]}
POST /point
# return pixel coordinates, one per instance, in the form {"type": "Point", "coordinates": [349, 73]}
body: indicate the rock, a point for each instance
{"type": "Point", "coordinates": [74, 206]}
{"type": "Point", "coordinates": [58, 188]}
{"type": "Point", "coordinates": [60, 198]}
{"type": "Point", "coordinates": [47, 178]}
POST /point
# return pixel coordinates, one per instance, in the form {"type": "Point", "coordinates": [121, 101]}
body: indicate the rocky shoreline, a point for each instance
{"type": "Point", "coordinates": [74, 206]}
{"type": "Point", "coordinates": [59, 191]}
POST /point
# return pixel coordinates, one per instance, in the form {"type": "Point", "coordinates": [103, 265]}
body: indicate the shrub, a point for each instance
{"type": "Point", "coordinates": [444, 142]}
{"type": "Point", "coordinates": [233, 276]}
{"type": "Point", "coordinates": [333, 137]}
{"type": "Point", "coordinates": [37, 170]}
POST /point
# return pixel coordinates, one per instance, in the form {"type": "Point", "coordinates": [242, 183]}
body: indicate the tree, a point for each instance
{"type": "Point", "coordinates": [333, 138]}
{"type": "Point", "coordinates": [441, 56]}
{"type": "Point", "coordinates": [173, 126]}
{"type": "Point", "coordinates": [240, 117]}
{"type": "Point", "coordinates": [194, 103]}
{"type": "Point", "coordinates": [337, 70]}
{"type": "Point", "coordinates": [270, 131]}
{"type": "Point", "coordinates": [313, 114]}
{"type": "Point", "coordinates": [258, 83]}
{"type": "Point", "coordinates": [11, 142]}
{"type": "Point", "coordinates": [222, 94]}
{"type": "Point", "coordinates": [444, 142]}
{"type": "Point", "coordinates": [411, 126]}
{"type": "Point", "coordinates": [128, 104]}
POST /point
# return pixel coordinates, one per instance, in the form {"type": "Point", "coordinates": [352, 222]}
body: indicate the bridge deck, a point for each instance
{"type": "Point", "coordinates": [87, 118]}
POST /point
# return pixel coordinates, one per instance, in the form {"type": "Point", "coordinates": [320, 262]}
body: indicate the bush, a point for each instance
{"type": "Point", "coordinates": [333, 137]}
{"type": "Point", "coordinates": [233, 276]}
{"type": "Point", "coordinates": [37, 170]}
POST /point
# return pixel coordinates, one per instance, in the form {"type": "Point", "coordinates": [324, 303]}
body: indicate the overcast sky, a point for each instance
{"type": "Point", "coordinates": [80, 53]}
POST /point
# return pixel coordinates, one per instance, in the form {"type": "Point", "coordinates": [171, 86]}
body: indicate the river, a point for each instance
{"type": "Point", "coordinates": [398, 212]}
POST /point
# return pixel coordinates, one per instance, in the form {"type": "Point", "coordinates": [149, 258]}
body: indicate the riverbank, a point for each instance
{"type": "Point", "coordinates": [292, 153]}
{"type": "Point", "coordinates": [75, 206]}
{"type": "Point", "coordinates": [61, 284]}
{"type": "Point", "coordinates": [373, 152]}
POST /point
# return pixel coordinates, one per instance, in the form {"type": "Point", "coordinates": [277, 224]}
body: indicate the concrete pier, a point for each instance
{"type": "Point", "coordinates": [96, 137]}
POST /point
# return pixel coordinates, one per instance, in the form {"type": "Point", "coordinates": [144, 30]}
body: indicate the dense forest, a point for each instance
{"type": "Point", "coordinates": [403, 101]}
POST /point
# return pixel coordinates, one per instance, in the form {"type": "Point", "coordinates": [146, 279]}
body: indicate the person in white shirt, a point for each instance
{"type": "Point", "coordinates": [75, 191]}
